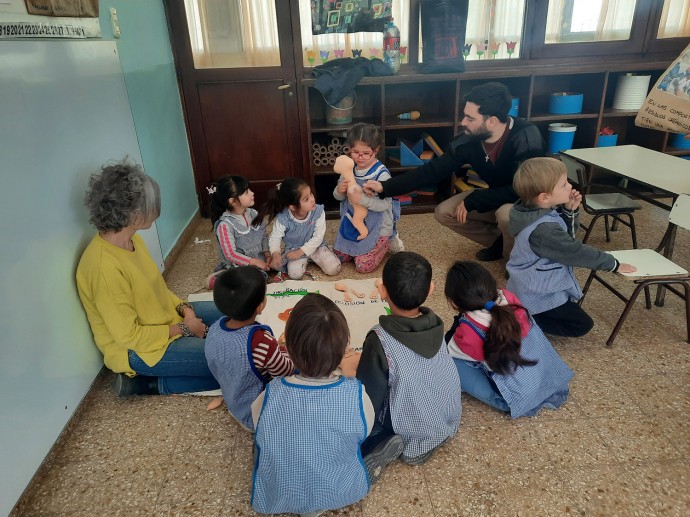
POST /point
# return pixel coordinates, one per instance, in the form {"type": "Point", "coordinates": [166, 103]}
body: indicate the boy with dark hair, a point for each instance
{"type": "Point", "coordinates": [243, 355]}
{"type": "Point", "coordinates": [405, 367]}
{"type": "Point", "coordinates": [544, 222]}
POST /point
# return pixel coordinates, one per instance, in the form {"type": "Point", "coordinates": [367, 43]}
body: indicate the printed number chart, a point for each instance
{"type": "Point", "coordinates": [358, 299]}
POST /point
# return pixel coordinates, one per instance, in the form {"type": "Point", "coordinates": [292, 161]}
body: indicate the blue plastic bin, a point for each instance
{"type": "Point", "coordinates": [515, 107]}
{"type": "Point", "coordinates": [607, 140]}
{"type": "Point", "coordinates": [565, 103]}
{"type": "Point", "coordinates": [678, 140]}
{"type": "Point", "coordinates": [561, 135]}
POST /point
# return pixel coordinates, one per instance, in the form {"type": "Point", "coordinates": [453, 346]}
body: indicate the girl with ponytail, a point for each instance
{"type": "Point", "coordinates": [502, 356]}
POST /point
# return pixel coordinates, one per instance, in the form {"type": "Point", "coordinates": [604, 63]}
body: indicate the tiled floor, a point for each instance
{"type": "Point", "coordinates": [620, 446]}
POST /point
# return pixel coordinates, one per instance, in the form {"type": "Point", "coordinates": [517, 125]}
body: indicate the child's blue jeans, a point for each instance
{"type": "Point", "coordinates": [183, 367]}
{"type": "Point", "coordinates": [475, 382]}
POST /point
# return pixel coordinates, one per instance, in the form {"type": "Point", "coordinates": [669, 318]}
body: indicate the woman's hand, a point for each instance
{"type": "Point", "coordinates": [276, 261]}
{"type": "Point", "coordinates": [259, 264]}
{"type": "Point", "coordinates": [295, 254]}
{"type": "Point", "coordinates": [195, 324]}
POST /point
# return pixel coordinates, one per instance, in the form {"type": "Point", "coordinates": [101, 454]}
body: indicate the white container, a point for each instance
{"type": "Point", "coordinates": [631, 91]}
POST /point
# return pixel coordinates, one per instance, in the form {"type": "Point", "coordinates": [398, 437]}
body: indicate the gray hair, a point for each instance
{"type": "Point", "coordinates": [120, 194]}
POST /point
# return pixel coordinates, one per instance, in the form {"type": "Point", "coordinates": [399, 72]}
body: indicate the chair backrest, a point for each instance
{"type": "Point", "coordinates": [680, 213]}
{"type": "Point", "coordinates": [576, 171]}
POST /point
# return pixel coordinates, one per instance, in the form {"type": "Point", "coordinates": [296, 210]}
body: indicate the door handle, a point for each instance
{"type": "Point", "coordinates": [285, 86]}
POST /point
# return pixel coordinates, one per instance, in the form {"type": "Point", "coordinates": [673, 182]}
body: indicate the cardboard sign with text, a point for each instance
{"type": "Point", "coordinates": [667, 106]}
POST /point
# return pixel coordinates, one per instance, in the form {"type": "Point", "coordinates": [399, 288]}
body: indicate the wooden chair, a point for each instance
{"type": "Point", "coordinates": [612, 205]}
{"type": "Point", "coordinates": [653, 268]}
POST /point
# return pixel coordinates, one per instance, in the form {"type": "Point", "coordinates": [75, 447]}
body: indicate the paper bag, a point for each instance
{"type": "Point", "coordinates": [667, 106]}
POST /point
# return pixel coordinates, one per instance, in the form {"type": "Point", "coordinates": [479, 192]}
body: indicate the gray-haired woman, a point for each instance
{"type": "Point", "coordinates": [152, 339]}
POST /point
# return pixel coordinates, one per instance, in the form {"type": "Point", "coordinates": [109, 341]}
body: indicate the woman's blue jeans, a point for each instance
{"type": "Point", "coordinates": [183, 368]}
{"type": "Point", "coordinates": [475, 382]}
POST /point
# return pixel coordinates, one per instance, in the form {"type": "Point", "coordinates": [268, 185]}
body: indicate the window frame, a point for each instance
{"type": "Point", "coordinates": [644, 13]}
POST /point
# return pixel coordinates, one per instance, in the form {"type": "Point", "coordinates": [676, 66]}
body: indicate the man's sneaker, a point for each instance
{"type": "Point", "coordinates": [384, 453]}
{"type": "Point", "coordinates": [125, 386]}
{"type": "Point", "coordinates": [493, 252]}
{"type": "Point", "coordinates": [395, 244]}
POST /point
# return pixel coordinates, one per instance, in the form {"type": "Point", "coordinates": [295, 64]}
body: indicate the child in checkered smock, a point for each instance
{"type": "Point", "coordinates": [381, 220]}
{"type": "Point", "coordinates": [405, 365]}
{"type": "Point", "coordinates": [501, 354]}
{"type": "Point", "coordinates": [240, 242]}
{"type": "Point", "coordinates": [242, 354]}
{"type": "Point", "coordinates": [300, 224]}
{"type": "Point", "coordinates": [309, 427]}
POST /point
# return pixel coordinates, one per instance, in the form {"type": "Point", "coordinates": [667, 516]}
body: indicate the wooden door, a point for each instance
{"type": "Point", "coordinates": [241, 120]}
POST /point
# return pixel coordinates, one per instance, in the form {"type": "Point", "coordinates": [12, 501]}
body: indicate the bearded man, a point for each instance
{"type": "Point", "coordinates": [493, 144]}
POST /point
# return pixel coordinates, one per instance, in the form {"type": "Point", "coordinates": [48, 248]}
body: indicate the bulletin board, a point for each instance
{"type": "Point", "coordinates": [329, 16]}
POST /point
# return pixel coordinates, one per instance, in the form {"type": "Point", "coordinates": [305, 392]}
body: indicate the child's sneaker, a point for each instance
{"type": "Point", "coordinates": [422, 458]}
{"type": "Point", "coordinates": [280, 277]}
{"type": "Point", "coordinates": [395, 244]}
{"type": "Point", "coordinates": [384, 453]}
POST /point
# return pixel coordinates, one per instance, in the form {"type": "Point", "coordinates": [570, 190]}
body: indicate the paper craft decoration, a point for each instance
{"type": "Point", "coordinates": [354, 297]}
{"type": "Point", "coordinates": [328, 17]}
{"type": "Point", "coordinates": [667, 106]}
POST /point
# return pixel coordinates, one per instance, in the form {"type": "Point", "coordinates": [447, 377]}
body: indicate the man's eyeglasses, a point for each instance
{"type": "Point", "coordinates": [364, 156]}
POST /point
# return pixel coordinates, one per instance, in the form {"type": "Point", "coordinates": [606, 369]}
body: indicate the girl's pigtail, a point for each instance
{"type": "Point", "coordinates": [504, 339]}
{"type": "Point", "coordinates": [270, 208]}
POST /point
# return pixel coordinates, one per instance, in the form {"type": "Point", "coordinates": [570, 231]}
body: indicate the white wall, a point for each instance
{"type": "Point", "coordinates": [64, 111]}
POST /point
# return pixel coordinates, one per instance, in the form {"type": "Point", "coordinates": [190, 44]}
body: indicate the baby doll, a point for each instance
{"type": "Point", "coordinates": [345, 166]}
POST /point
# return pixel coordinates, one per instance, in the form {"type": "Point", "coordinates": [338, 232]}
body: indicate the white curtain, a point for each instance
{"type": "Point", "coordinates": [591, 20]}
{"type": "Point", "coordinates": [675, 19]}
{"type": "Point", "coordinates": [233, 33]}
{"type": "Point", "coordinates": [371, 43]}
{"type": "Point", "coordinates": [494, 28]}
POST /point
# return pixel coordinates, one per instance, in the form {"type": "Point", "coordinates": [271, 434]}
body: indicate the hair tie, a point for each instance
{"type": "Point", "coordinates": [278, 186]}
{"type": "Point", "coordinates": [211, 189]}
{"type": "Point", "coordinates": [489, 305]}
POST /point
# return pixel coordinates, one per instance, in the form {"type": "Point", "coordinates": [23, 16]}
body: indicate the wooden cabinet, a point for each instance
{"type": "Point", "coordinates": [439, 100]}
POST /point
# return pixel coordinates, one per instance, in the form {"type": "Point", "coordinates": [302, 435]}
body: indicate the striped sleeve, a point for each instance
{"type": "Point", "coordinates": [268, 357]}
{"type": "Point", "coordinates": [227, 244]}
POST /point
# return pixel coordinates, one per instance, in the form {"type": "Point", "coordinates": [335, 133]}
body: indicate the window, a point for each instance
{"type": "Point", "coordinates": [318, 49]}
{"type": "Point", "coordinates": [494, 29]}
{"type": "Point", "coordinates": [675, 19]}
{"type": "Point", "coordinates": [233, 33]}
{"type": "Point", "coordinates": [572, 21]}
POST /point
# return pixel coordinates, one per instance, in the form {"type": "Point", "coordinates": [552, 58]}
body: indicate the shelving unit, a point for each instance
{"type": "Point", "coordinates": [439, 100]}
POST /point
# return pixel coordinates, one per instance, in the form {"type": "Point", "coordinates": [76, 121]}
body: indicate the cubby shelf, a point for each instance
{"type": "Point", "coordinates": [439, 99]}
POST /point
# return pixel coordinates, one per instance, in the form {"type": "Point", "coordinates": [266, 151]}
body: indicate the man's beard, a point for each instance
{"type": "Point", "coordinates": [482, 135]}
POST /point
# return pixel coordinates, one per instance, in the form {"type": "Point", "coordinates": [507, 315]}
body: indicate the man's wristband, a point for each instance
{"type": "Point", "coordinates": [181, 307]}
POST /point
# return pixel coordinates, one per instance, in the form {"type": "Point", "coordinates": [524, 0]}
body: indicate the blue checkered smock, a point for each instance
{"type": "Point", "coordinates": [530, 388]}
{"type": "Point", "coordinates": [229, 356]}
{"type": "Point", "coordinates": [307, 442]}
{"type": "Point", "coordinates": [424, 395]}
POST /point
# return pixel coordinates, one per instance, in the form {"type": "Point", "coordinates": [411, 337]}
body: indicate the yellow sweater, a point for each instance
{"type": "Point", "coordinates": [128, 305]}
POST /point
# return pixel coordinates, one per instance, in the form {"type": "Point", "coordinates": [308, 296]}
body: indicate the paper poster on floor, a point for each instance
{"type": "Point", "coordinates": [358, 299]}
